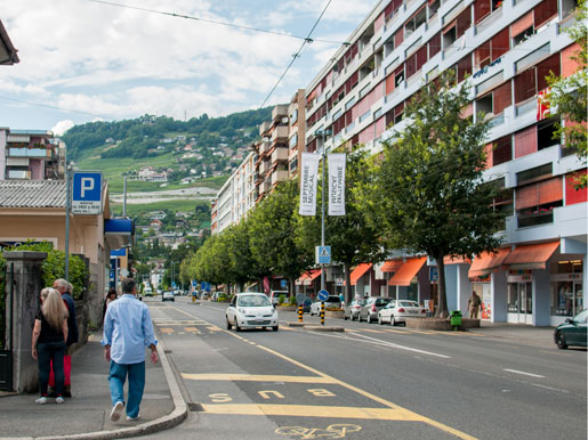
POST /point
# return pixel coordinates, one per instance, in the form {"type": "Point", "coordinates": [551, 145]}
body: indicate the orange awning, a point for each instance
{"type": "Point", "coordinates": [407, 272]}
{"type": "Point", "coordinates": [359, 271]}
{"type": "Point", "coordinates": [487, 262]}
{"type": "Point", "coordinates": [531, 256]}
{"type": "Point", "coordinates": [391, 265]}
{"type": "Point", "coordinates": [456, 260]}
{"type": "Point", "coordinates": [308, 277]}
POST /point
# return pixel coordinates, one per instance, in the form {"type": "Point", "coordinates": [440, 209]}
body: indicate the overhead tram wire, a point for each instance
{"type": "Point", "coordinates": [306, 41]}
{"type": "Point", "coordinates": [207, 20]}
{"type": "Point", "coordinates": [55, 107]}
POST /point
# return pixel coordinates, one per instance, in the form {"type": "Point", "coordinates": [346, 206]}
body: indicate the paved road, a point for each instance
{"type": "Point", "coordinates": [371, 382]}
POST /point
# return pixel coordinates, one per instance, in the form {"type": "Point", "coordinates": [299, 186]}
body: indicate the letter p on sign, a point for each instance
{"type": "Point", "coordinates": [87, 185]}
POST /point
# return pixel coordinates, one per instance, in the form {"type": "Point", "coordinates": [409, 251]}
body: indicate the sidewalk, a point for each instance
{"type": "Point", "coordinates": [87, 414]}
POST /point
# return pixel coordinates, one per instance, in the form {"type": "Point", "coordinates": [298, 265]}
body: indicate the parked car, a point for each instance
{"type": "Point", "coordinates": [205, 295]}
{"type": "Point", "coordinates": [353, 309]}
{"type": "Point", "coordinates": [332, 302]}
{"type": "Point", "coordinates": [306, 303]}
{"type": "Point", "coordinates": [248, 310]}
{"type": "Point", "coordinates": [396, 311]}
{"type": "Point", "coordinates": [371, 307]}
{"type": "Point", "coordinates": [168, 296]}
{"type": "Point", "coordinates": [572, 332]}
{"type": "Point", "coordinates": [275, 295]}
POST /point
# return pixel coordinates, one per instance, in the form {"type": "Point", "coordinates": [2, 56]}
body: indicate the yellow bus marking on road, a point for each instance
{"type": "Point", "coordinates": [337, 430]}
{"type": "Point", "coordinates": [259, 378]}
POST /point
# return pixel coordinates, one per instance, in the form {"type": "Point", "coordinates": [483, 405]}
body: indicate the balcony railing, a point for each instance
{"type": "Point", "coordinates": [526, 107]}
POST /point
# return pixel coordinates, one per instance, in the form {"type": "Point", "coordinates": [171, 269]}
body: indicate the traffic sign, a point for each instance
{"type": "Point", "coordinates": [323, 254]}
{"type": "Point", "coordinates": [87, 193]}
{"type": "Point", "coordinates": [284, 284]}
{"type": "Point", "coordinates": [323, 295]}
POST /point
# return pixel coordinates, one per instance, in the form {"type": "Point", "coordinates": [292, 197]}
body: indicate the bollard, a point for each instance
{"type": "Point", "coordinates": [300, 312]}
{"type": "Point", "coordinates": [322, 313]}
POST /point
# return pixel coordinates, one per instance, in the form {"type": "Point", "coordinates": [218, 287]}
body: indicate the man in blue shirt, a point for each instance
{"type": "Point", "coordinates": [128, 330]}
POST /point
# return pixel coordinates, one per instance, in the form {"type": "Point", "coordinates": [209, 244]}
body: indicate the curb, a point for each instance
{"type": "Point", "coordinates": [316, 328]}
{"type": "Point", "coordinates": [177, 416]}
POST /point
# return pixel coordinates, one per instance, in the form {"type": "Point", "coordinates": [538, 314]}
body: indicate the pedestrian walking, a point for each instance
{"type": "Point", "coordinates": [474, 305]}
{"type": "Point", "coordinates": [48, 346]}
{"type": "Point", "coordinates": [66, 290]}
{"type": "Point", "coordinates": [110, 296]}
{"type": "Point", "coordinates": [128, 330]}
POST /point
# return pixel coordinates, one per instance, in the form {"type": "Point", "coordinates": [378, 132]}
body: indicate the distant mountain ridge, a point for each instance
{"type": "Point", "coordinates": [145, 136]}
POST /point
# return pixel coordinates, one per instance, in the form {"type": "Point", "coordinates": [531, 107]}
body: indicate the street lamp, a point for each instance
{"type": "Point", "coordinates": [323, 134]}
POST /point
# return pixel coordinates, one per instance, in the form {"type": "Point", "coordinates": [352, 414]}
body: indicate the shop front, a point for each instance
{"type": "Point", "coordinates": [409, 285]}
{"type": "Point", "coordinates": [519, 298]}
{"type": "Point", "coordinates": [567, 295]}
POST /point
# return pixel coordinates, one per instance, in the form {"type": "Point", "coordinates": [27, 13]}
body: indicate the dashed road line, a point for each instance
{"type": "Point", "coordinates": [523, 373]}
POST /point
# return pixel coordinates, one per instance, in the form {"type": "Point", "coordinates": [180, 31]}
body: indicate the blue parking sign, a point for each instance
{"type": "Point", "coordinates": [87, 193]}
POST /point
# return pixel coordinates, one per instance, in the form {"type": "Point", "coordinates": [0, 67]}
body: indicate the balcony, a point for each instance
{"type": "Point", "coordinates": [264, 128]}
{"type": "Point", "coordinates": [279, 176]}
{"type": "Point", "coordinates": [279, 112]}
{"type": "Point", "coordinates": [280, 133]}
{"type": "Point", "coordinates": [263, 147]}
{"type": "Point", "coordinates": [38, 153]}
{"type": "Point", "coordinates": [279, 154]}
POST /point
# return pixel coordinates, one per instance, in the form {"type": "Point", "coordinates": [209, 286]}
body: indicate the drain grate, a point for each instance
{"type": "Point", "coordinates": [195, 407]}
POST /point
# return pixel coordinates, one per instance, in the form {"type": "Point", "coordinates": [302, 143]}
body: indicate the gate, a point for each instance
{"type": "Point", "coordinates": [6, 331]}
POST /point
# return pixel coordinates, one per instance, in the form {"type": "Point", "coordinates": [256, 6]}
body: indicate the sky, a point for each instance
{"type": "Point", "coordinates": [88, 60]}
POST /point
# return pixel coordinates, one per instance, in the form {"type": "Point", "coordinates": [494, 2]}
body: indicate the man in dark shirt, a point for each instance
{"type": "Point", "coordinates": [64, 288]}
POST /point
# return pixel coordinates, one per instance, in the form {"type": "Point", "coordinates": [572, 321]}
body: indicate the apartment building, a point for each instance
{"type": "Point", "coordinates": [506, 48]}
{"type": "Point", "coordinates": [31, 155]}
{"type": "Point", "coordinates": [297, 133]}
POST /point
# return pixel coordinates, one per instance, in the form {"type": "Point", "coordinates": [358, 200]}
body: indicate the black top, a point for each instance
{"type": "Point", "coordinates": [48, 333]}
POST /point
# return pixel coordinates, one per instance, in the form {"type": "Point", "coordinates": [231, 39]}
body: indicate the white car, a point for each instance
{"type": "Point", "coordinates": [397, 311]}
{"type": "Point", "coordinates": [168, 296]}
{"type": "Point", "coordinates": [248, 310]}
{"type": "Point", "coordinates": [332, 302]}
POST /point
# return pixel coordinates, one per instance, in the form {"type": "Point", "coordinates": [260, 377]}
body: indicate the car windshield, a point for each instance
{"type": "Point", "coordinates": [253, 301]}
{"type": "Point", "coordinates": [582, 317]}
{"type": "Point", "coordinates": [407, 304]}
{"type": "Point", "coordinates": [391, 305]}
{"type": "Point", "coordinates": [381, 302]}
{"type": "Point", "coordinates": [333, 299]}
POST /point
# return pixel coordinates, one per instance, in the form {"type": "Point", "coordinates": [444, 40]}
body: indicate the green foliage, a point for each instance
{"type": "Point", "coordinates": [54, 266]}
{"type": "Point", "coordinates": [426, 194]}
{"type": "Point", "coordinates": [282, 299]}
{"type": "Point", "coordinates": [568, 97]}
{"type": "Point", "coordinates": [292, 300]}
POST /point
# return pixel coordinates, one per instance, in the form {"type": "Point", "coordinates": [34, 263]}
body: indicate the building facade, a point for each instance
{"type": "Point", "coordinates": [506, 49]}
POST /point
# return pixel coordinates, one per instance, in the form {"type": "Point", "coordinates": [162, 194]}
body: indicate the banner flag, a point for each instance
{"type": "Point", "coordinates": [308, 183]}
{"type": "Point", "coordinates": [337, 184]}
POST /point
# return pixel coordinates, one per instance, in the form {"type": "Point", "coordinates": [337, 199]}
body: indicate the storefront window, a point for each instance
{"type": "Point", "coordinates": [483, 290]}
{"type": "Point", "coordinates": [567, 297]}
{"type": "Point", "coordinates": [413, 292]}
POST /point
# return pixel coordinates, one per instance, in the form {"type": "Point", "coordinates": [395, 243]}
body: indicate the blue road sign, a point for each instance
{"type": "Point", "coordinates": [323, 254]}
{"type": "Point", "coordinates": [284, 284]}
{"type": "Point", "coordinates": [205, 286]}
{"type": "Point", "coordinates": [87, 193]}
{"type": "Point", "coordinates": [323, 295]}
{"type": "Point", "coordinates": [194, 283]}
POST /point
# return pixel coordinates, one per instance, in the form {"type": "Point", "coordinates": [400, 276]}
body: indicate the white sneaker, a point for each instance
{"type": "Point", "coordinates": [41, 400]}
{"type": "Point", "coordinates": [116, 411]}
{"type": "Point", "coordinates": [59, 400]}
{"type": "Point", "coordinates": [132, 419]}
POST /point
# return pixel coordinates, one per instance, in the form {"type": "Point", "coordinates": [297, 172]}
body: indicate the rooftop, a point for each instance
{"type": "Point", "coordinates": [32, 194]}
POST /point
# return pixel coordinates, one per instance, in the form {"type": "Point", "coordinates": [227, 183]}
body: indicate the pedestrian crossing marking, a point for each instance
{"type": "Point", "coordinates": [166, 330]}
{"type": "Point", "coordinates": [259, 378]}
{"type": "Point", "coordinates": [191, 330]}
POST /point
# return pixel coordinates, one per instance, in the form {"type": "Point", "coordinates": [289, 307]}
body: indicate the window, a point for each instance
{"type": "Point", "coordinates": [294, 165]}
{"type": "Point", "coordinates": [534, 174]}
{"type": "Point", "coordinates": [294, 141]}
{"type": "Point", "coordinates": [544, 12]}
{"type": "Point", "coordinates": [434, 45]}
{"type": "Point", "coordinates": [489, 83]}
{"type": "Point", "coordinates": [481, 10]}
{"type": "Point", "coordinates": [531, 81]}
{"type": "Point", "coordinates": [484, 105]}
{"type": "Point", "coordinates": [433, 6]}
{"type": "Point", "coordinates": [526, 141]}
{"type": "Point", "coordinates": [398, 76]}
{"type": "Point", "coordinates": [502, 151]}
{"type": "Point", "coordinates": [545, 134]}
{"type": "Point", "coordinates": [535, 202]}
{"type": "Point", "coordinates": [416, 21]}
{"type": "Point", "coordinates": [364, 116]}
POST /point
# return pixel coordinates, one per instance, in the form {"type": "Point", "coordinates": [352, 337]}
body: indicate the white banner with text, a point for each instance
{"type": "Point", "coordinates": [337, 184]}
{"type": "Point", "coordinates": [308, 183]}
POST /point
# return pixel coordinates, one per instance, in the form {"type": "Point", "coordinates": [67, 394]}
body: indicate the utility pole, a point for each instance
{"type": "Point", "coordinates": [323, 134]}
{"type": "Point", "coordinates": [124, 212]}
{"type": "Point", "coordinates": [67, 215]}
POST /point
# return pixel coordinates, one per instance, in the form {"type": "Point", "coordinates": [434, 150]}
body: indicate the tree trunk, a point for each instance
{"type": "Point", "coordinates": [442, 311]}
{"type": "Point", "coordinates": [292, 286]}
{"type": "Point", "coordinates": [348, 298]}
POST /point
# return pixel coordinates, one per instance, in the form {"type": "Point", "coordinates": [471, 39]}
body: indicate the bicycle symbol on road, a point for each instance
{"type": "Point", "coordinates": [333, 431]}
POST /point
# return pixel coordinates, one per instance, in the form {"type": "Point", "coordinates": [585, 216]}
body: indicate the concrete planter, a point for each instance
{"type": "Point", "coordinates": [338, 314]}
{"type": "Point", "coordinates": [441, 324]}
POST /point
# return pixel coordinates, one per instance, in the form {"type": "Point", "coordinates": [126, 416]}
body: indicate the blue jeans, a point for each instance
{"type": "Point", "coordinates": [117, 377]}
{"type": "Point", "coordinates": [47, 352]}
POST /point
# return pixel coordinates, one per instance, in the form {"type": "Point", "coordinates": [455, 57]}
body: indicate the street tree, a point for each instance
{"type": "Point", "coordinates": [353, 239]}
{"type": "Point", "coordinates": [426, 193]}
{"type": "Point", "coordinates": [272, 229]}
{"type": "Point", "coordinates": [568, 96]}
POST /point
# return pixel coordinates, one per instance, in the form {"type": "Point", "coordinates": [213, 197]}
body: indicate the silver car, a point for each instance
{"type": "Point", "coordinates": [353, 309]}
{"type": "Point", "coordinates": [370, 309]}
{"type": "Point", "coordinates": [332, 302]}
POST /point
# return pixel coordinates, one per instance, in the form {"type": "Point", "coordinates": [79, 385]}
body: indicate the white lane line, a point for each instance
{"type": "Point", "coordinates": [401, 347]}
{"type": "Point", "coordinates": [522, 372]}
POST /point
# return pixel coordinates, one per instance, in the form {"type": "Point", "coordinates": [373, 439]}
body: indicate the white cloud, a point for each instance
{"type": "Point", "coordinates": [62, 126]}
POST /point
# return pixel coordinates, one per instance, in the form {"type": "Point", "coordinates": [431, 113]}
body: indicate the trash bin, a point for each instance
{"type": "Point", "coordinates": [455, 319]}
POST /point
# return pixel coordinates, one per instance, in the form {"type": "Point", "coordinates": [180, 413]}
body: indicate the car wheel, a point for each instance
{"type": "Point", "coordinates": [392, 320]}
{"type": "Point", "coordinates": [369, 318]}
{"type": "Point", "coordinates": [275, 328]}
{"type": "Point", "coordinates": [345, 317]}
{"type": "Point", "coordinates": [229, 326]}
{"type": "Point", "coordinates": [560, 341]}
{"type": "Point", "coordinates": [359, 318]}
{"type": "Point", "coordinates": [237, 328]}
{"type": "Point", "coordinates": [380, 320]}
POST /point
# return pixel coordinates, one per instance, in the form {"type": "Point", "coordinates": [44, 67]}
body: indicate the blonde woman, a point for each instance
{"type": "Point", "coordinates": [49, 336]}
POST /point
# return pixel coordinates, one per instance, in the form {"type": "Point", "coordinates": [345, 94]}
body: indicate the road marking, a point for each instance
{"type": "Point", "coordinates": [401, 347]}
{"type": "Point", "coordinates": [259, 378]}
{"type": "Point", "coordinates": [522, 372]}
{"type": "Point", "coordinates": [402, 412]}
{"type": "Point", "coordinates": [338, 430]}
{"type": "Point", "coordinates": [166, 330]}
{"type": "Point", "coordinates": [372, 331]}
{"type": "Point", "coordinates": [191, 330]}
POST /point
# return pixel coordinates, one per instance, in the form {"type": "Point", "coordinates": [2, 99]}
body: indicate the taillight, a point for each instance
{"type": "Point", "coordinates": [374, 308]}
{"type": "Point", "coordinates": [401, 310]}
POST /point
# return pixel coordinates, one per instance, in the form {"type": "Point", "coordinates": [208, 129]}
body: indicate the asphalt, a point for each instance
{"type": "Point", "coordinates": [86, 414]}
